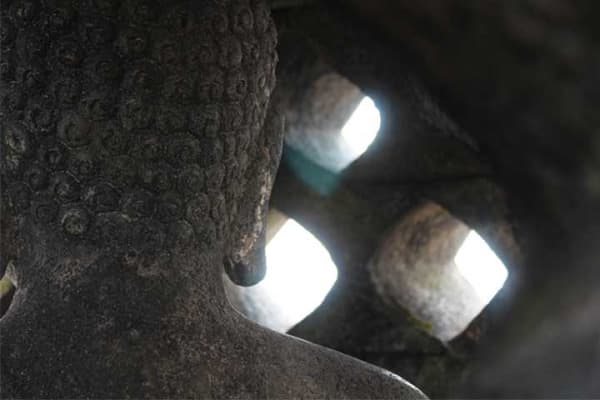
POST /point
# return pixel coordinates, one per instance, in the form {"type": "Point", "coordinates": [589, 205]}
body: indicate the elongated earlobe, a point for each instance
{"type": "Point", "coordinates": [251, 269]}
{"type": "Point", "coordinates": [245, 262]}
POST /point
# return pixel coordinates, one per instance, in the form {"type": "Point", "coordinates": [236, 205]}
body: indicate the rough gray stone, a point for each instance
{"type": "Point", "coordinates": [138, 153]}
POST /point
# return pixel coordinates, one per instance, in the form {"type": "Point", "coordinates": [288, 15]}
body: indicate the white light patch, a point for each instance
{"type": "Point", "coordinates": [478, 263]}
{"type": "Point", "coordinates": [362, 126]}
{"type": "Point", "coordinates": [299, 275]}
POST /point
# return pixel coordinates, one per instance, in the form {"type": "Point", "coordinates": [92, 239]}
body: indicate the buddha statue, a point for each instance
{"type": "Point", "coordinates": [139, 147]}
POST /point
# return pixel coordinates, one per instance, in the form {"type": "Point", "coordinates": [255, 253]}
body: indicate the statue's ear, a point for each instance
{"type": "Point", "coordinates": [250, 269]}
{"type": "Point", "coordinates": [245, 263]}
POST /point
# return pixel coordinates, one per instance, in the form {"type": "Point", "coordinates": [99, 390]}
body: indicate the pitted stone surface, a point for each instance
{"type": "Point", "coordinates": [138, 154]}
{"type": "Point", "coordinates": [139, 109]}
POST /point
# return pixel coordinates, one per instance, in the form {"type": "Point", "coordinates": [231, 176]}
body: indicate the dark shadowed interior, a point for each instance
{"type": "Point", "coordinates": [167, 165]}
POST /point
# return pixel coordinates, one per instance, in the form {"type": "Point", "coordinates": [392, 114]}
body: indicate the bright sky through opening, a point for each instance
{"type": "Point", "coordinates": [300, 272]}
{"type": "Point", "coordinates": [478, 263]}
{"type": "Point", "coordinates": [362, 127]}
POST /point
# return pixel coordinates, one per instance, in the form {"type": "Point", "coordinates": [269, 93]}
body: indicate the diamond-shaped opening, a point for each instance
{"type": "Point", "coordinates": [300, 273]}
{"type": "Point", "coordinates": [337, 123]}
{"type": "Point", "coordinates": [438, 270]}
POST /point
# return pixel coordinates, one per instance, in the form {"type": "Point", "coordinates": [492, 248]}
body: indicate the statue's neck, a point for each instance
{"type": "Point", "coordinates": [155, 277]}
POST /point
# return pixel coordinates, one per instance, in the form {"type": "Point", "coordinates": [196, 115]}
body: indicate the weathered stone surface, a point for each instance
{"type": "Point", "coordinates": [317, 103]}
{"type": "Point", "coordinates": [414, 272]}
{"type": "Point", "coordinates": [420, 153]}
{"type": "Point", "coordinates": [514, 84]}
{"type": "Point", "coordinates": [147, 169]}
{"type": "Point", "coordinates": [351, 222]}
